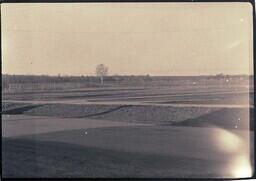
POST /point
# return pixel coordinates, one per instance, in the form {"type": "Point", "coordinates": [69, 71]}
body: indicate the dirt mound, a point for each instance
{"type": "Point", "coordinates": [70, 111]}
{"type": "Point", "coordinates": [225, 118]}
{"type": "Point", "coordinates": [140, 114]}
{"type": "Point", "coordinates": [9, 105]}
{"type": "Point", "coordinates": [16, 108]}
{"type": "Point", "coordinates": [166, 115]}
{"type": "Point", "coordinates": [155, 114]}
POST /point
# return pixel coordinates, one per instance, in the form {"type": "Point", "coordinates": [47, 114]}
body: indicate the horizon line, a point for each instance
{"type": "Point", "coordinates": [63, 75]}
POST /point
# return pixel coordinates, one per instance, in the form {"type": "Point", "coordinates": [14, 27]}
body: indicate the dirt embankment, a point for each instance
{"type": "Point", "coordinates": [178, 116]}
{"type": "Point", "coordinates": [121, 113]}
{"type": "Point", "coordinates": [236, 118]}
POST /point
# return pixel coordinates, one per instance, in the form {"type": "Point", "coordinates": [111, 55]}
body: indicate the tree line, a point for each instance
{"type": "Point", "coordinates": [101, 76]}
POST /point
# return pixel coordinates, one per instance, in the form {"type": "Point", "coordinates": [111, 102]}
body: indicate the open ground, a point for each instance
{"type": "Point", "coordinates": [128, 131]}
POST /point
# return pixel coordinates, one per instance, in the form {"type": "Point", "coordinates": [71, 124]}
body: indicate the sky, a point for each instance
{"type": "Point", "coordinates": [129, 38]}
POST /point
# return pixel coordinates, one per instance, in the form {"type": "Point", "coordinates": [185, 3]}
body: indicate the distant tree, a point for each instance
{"type": "Point", "coordinates": [148, 77]}
{"type": "Point", "coordinates": [101, 71]}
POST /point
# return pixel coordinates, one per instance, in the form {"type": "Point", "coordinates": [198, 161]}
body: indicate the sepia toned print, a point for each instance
{"type": "Point", "coordinates": [127, 90]}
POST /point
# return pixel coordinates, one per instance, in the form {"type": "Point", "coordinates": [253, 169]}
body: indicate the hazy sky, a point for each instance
{"type": "Point", "coordinates": [130, 38]}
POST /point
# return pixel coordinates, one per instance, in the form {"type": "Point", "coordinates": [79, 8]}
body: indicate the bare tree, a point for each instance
{"type": "Point", "coordinates": [101, 71]}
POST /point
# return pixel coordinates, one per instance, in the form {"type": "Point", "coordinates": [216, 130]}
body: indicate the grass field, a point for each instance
{"type": "Point", "coordinates": [128, 131]}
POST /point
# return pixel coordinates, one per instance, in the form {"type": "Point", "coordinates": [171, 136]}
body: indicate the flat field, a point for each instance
{"type": "Point", "coordinates": [129, 131]}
